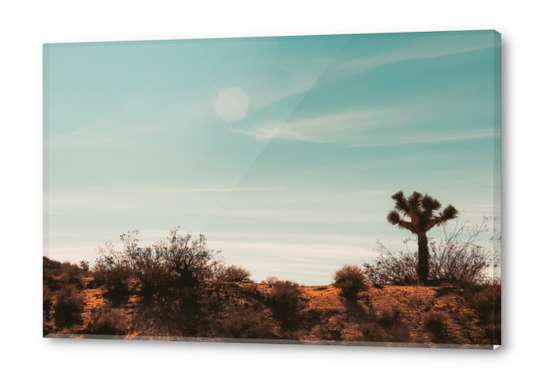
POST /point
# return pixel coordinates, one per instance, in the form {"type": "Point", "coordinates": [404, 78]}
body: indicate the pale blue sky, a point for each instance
{"type": "Point", "coordinates": [283, 151]}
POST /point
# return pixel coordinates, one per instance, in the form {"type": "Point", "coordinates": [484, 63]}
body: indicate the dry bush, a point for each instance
{"type": "Point", "coordinates": [341, 328]}
{"type": "Point", "coordinates": [387, 327]}
{"type": "Point", "coordinates": [210, 301]}
{"type": "Point", "coordinates": [436, 323]}
{"type": "Point", "coordinates": [51, 269]}
{"type": "Point", "coordinates": [47, 298]}
{"type": "Point", "coordinates": [285, 291]}
{"type": "Point", "coordinates": [455, 259]}
{"type": "Point", "coordinates": [85, 266]}
{"type": "Point", "coordinates": [115, 268]}
{"type": "Point", "coordinates": [70, 274]}
{"type": "Point", "coordinates": [179, 262]}
{"type": "Point", "coordinates": [68, 305]}
{"type": "Point", "coordinates": [391, 321]}
{"type": "Point", "coordinates": [285, 300]}
{"type": "Point", "coordinates": [234, 273]}
{"type": "Point", "coordinates": [270, 280]}
{"type": "Point", "coordinates": [245, 322]}
{"type": "Point", "coordinates": [51, 266]}
{"type": "Point", "coordinates": [335, 328]}
{"type": "Point", "coordinates": [189, 260]}
{"type": "Point", "coordinates": [115, 279]}
{"type": "Point", "coordinates": [485, 300]}
{"type": "Point", "coordinates": [392, 269]}
{"type": "Point", "coordinates": [350, 280]}
{"type": "Point", "coordinates": [368, 332]}
{"type": "Point", "coordinates": [109, 322]}
{"type": "Point", "coordinates": [147, 265]}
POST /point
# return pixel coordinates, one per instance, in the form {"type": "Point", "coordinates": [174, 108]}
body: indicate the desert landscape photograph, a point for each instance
{"type": "Point", "coordinates": [333, 189]}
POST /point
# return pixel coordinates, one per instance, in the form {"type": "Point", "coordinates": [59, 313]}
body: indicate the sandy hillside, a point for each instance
{"type": "Point", "coordinates": [389, 314]}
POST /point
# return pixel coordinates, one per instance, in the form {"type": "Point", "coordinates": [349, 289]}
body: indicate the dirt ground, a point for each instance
{"type": "Point", "coordinates": [421, 316]}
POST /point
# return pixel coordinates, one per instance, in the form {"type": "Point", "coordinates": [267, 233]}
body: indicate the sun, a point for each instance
{"type": "Point", "coordinates": [232, 104]}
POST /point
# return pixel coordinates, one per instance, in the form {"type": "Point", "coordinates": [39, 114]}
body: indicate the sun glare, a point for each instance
{"type": "Point", "coordinates": [232, 104]}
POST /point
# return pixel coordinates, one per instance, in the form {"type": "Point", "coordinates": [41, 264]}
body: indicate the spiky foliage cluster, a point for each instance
{"type": "Point", "coordinates": [421, 209]}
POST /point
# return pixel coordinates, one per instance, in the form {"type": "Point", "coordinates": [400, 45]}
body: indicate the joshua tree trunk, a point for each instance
{"type": "Point", "coordinates": [423, 261]}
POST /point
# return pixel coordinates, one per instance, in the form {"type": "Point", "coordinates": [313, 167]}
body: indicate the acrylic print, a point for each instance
{"type": "Point", "coordinates": [340, 190]}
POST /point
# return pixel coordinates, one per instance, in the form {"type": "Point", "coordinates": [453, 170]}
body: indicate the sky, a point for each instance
{"type": "Point", "coordinates": [283, 151]}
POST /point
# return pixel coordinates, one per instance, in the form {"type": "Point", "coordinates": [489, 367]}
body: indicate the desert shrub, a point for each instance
{"type": "Point", "coordinates": [389, 268]}
{"type": "Point", "coordinates": [70, 274]}
{"type": "Point", "coordinates": [485, 300]}
{"type": "Point", "coordinates": [234, 273]}
{"type": "Point", "coordinates": [115, 268]}
{"type": "Point", "coordinates": [456, 258]}
{"type": "Point", "coordinates": [84, 265]}
{"type": "Point", "coordinates": [109, 322]}
{"type": "Point", "coordinates": [51, 269]}
{"type": "Point", "coordinates": [245, 322]}
{"type": "Point", "coordinates": [350, 280]}
{"type": "Point", "coordinates": [369, 332]}
{"type": "Point", "coordinates": [285, 300]}
{"type": "Point", "coordinates": [180, 262]}
{"type": "Point", "coordinates": [115, 279]}
{"type": "Point", "coordinates": [146, 264]}
{"type": "Point", "coordinates": [50, 264]}
{"type": "Point", "coordinates": [47, 298]}
{"type": "Point", "coordinates": [387, 327]}
{"type": "Point", "coordinates": [391, 320]}
{"type": "Point", "coordinates": [210, 301]}
{"type": "Point", "coordinates": [112, 270]}
{"type": "Point", "coordinates": [341, 328]}
{"type": "Point", "coordinates": [335, 328]}
{"type": "Point", "coordinates": [251, 288]}
{"type": "Point", "coordinates": [68, 305]}
{"type": "Point", "coordinates": [436, 324]}
{"type": "Point", "coordinates": [189, 260]}
{"type": "Point", "coordinates": [270, 280]}
{"type": "Point", "coordinates": [285, 291]}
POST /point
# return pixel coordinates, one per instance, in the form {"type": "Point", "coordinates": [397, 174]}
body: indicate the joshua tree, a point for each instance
{"type": "Point", "coordinates": [419, 209]}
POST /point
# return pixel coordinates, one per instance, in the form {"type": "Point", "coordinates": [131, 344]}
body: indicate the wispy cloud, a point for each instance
{"type": "Point", "coordinates": [434, 47]}
{"type": "Point", "coordinates": [267, 92]}
{"type": "Point", "coordinates": [306, 75]}
{"type": "Point", "coordinates": [289, 77]}
{"type": "Point", "coordinates": [131, 123]}
{"type": "Point", "coordinates": [367, 128]}
{"type": "Point", "coordinates": [303, 215]}
{"type": "Point", "coordinates": [164, 200]}
{"type": "Point", "coordinates": [336, 128]}
{"type": "Point", "coordinates": [289, 251]}
{"type": "Point", "coordinates": [161, 190]}
{"type": "Point", "coordinates": [430, 138]}
{"type": "Point", "coordinates": [204, 206]}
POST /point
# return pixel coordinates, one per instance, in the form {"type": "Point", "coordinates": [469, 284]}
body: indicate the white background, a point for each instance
{"type": "Point", "coordinates": [26, 25]}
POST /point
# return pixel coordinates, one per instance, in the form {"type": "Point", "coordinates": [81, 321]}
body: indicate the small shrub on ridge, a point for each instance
{"type": "Point", "coordinates": [350, 280]}
{"type": "Point", "coordinates": [270, 280]}
{"type": "Point", "coordinates": [234, 273]}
